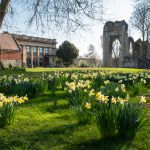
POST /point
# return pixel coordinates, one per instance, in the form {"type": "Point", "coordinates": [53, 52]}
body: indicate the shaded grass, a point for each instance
{"type": "Point", "coordinates": [36, 128]}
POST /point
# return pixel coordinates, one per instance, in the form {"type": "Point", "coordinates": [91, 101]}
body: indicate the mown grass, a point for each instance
{"type": "Point", "coordinates": [37, 128]}
{"type": "Point", "coordinates": [35, 72]}
{"type": "Point", "coordinates": [71, 69]}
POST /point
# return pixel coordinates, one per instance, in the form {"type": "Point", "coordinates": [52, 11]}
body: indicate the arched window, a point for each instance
{"type": "Point", "coordinates": [116, 51]}
{"type": "Point", "coordinates": [131, 49]}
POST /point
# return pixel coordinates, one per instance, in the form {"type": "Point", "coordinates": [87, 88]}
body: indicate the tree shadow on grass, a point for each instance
{"type": "Point", "coordinates": [47, 97]}
{"type": "Point", "coordinates": [29, 140]}
{"type": "Point", "coordinates": [34, 101]}
{"type": "Point", "coordinates": [114, 143]}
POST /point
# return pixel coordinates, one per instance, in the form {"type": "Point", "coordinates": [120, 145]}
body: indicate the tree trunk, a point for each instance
{"type": "Point", "coordinates": [143, 35]}
{"type": "Point", "coordinates": [3, 10]}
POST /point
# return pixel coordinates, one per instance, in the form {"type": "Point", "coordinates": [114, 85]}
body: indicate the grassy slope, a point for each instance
{"type": "Point", "coordinates": [36, 128]}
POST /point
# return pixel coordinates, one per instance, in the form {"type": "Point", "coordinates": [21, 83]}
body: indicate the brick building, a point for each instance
{"type": "Point", "coordinates": [35, 51]}
{"type": "Point", "coordinates": [10, 52]}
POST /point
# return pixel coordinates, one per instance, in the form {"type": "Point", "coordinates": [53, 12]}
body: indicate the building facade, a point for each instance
{"type": "Point", "coordinates": [34, 51]}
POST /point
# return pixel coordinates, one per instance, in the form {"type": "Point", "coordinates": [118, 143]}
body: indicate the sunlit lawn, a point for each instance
{"type": "Point", "coordinates": [70, 69]}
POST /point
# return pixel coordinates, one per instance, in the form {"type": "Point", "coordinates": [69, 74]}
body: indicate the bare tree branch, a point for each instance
{"type": "Point", "coordinates": [140, 18]}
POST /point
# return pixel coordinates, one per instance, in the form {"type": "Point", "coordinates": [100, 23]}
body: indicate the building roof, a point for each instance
{"type": "Point", "coordinates": [34, 39]}
{"type": "Point", "coordinates": [7, 42]}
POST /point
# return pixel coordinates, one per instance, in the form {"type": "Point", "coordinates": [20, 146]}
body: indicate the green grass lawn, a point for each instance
{"type": "Point", "coordinates": [37, 128]}
{"type": "Point", "coordinates": [70, 69]}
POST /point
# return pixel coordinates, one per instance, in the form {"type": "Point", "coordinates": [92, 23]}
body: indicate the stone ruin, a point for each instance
{"type": "Point", "coordinates": [120, 50]}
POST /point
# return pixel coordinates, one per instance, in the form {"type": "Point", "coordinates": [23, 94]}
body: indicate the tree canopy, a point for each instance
{"type": "Point", "coordinates": [67, 52]}
{"type": "Point", "coordinates": [67, 14]}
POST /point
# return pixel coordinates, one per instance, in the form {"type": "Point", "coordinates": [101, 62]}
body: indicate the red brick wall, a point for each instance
{"type": "Point", "coordinates": [10, 55]}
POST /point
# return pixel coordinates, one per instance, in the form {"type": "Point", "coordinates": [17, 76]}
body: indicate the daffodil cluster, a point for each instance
{"type": "Point", "coordinates": [10, 100]}
{"type": "Point", "coordinates": [81, 84]}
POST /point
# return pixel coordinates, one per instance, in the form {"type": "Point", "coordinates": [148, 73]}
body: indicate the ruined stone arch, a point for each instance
{"type": "Point", "coordinates": [112, 31]}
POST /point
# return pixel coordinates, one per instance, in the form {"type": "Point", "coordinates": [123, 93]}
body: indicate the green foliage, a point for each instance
{"type": "Point", "coordinates": [136, 88]}
{"type": "Point", "coordinates": [123, 119]}
{"type": "Point", "coordinates": [31, 89]}
{"type": "Point", "coordinates": [114, 90]}
{"type": "Point", "coordinates": [20, 85]}
{"type": "Point", "coordinates": [131, 119]}
{"type": "Point", "coordinates": [83, 115]}
{"type": "Point", "coordinates": [7, 114]}
{"type": "Point", "coordinates": [8, 108]}
{"type": "Point", "coordinates": [2, 66]}
{"type": "Point", "coordinates": [67, 52]}
{"type": "Point", "coordinates": [75, 98]}
{"type": "Point", "coordinates": [106, 119]}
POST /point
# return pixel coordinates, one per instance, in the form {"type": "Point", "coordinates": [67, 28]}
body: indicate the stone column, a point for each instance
{"type": "Point", "coordinates": [31, 56]}
{"type": "Point", "coordinates": [24, 53]}
{"type": "Point", "coordinates": [38, 56]}
{"type": "Point", "coordinates": [44, 48]}
{"type": "Point", "coordinates": [124, 51]}
{"type": "Point", "coordinates": [107, 51]}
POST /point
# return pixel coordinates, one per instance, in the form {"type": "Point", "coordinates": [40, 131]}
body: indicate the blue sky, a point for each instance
{"type": "Point", "coordinates": [114, 10]}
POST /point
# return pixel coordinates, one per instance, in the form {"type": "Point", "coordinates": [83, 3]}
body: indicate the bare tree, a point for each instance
{"type": "Point", "coordinates": [91, 52]}
{"type": "Point", "coordinates": [72, 14]}
{"type": "Point", "coordinates": [140, 18]}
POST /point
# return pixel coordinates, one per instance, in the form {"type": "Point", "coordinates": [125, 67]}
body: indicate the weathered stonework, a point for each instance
{"type": "Point", "coordinates": [112, 31]}
{"type": "Point", "coordinates": [140, 56]}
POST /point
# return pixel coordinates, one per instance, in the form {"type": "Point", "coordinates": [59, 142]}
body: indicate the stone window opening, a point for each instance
{"type": "Point", "coordinates": [46, 51]}
{"type": "Point", "coordinates": [116, 46]}
{"type": "Point", "coordinates": [41, 51]}
{"type": "Point", "coordinates": [131, 49]}
{"type": "Point", "coordinates": [35, 51]}
{"type": "Point", "coordinates": [28, 49]}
